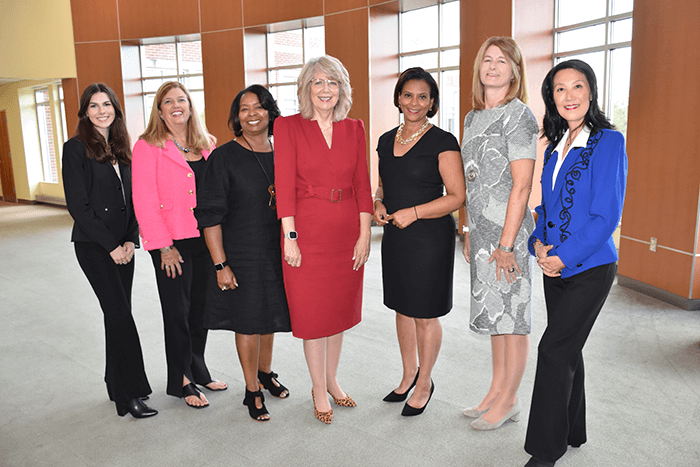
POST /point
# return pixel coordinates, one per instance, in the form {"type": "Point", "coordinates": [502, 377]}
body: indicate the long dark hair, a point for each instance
{"type": "Point", "coordinates": [553, 125]}
{"type": "Point", "coordinates": [419, 74]}
{"type": "Point", "coordinates": [95, 144]}
{"type": "Point", "coordinates": [266, 101]}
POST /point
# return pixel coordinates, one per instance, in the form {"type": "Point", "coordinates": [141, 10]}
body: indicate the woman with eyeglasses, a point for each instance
{"type": "Point", "coordinates": [324, 202]}
{"type": "Point", "coordinates": [237, 211]}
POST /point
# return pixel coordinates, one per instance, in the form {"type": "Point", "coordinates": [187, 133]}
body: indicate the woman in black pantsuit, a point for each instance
{"type": "Point", "coordinates": [97, 180]}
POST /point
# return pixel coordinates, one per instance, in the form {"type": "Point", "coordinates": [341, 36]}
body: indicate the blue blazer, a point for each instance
{"type": "Point", "coordinates": [580, 215]}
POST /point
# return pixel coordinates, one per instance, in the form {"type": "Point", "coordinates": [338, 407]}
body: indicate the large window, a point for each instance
{"type": "Point", "coordinates": [429, 38]}
{"type": "Point", "coordinates": [176, 60]}
{"type": "Point", "coordinates": [599, 32]}
{"type": "Point", "coordinates": [287, 51]}
{"type": "Point", "coordinates": [50, 114]}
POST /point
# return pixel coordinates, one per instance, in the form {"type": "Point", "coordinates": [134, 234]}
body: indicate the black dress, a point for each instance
{"type": "Point", "coordinates": [418, 261]}
{"type": "Point", "coordinates": [234, 194]}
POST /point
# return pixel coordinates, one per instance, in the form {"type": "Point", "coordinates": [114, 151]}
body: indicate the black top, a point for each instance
{"type": "Point", "coordinates": [103, 213]}
{"type": "Point", "coordinates": [418, 261]}
{"type": "Point", "coordinates": [233, 193]}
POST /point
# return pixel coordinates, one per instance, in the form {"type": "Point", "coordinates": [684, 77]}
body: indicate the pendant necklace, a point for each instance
{"type": "Point", "coordinates": [271, 188]}
{"type": "Point", "coordinates": [415, 135]}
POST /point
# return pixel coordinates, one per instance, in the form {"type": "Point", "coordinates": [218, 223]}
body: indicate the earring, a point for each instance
{"type": "Point", "coordinates": [512, 79]}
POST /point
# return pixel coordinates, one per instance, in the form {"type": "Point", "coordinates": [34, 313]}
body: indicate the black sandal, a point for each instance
{"type": "Point", "coordinates": [192, 390]}
{"type": "Point", "coordinates": [255, 413]}
{"type": "Point", "coordinates": [266, 380]}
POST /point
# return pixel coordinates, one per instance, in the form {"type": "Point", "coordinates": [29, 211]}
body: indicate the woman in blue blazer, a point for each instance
{"type": "Point", "coordinates": [97, 181]}
{"type": "Point", "coordinates": [583, 190]}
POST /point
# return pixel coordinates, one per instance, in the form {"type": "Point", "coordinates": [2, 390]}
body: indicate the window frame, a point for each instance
{"type": "Point", "coordinates": [302, 25]}
{"type": "Point", "coordinates": [439, 50]}
{"type": "Point", "coordinates": [604, 82]}
{"type": "Point", "coordinates": [179, 76]}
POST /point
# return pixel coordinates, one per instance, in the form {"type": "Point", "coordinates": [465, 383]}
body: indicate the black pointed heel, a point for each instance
{"type": "Point", "coordinates": [136, 408]}
{"type": "Point", "coordinates": [409, 411]}
{"type": "Point", "coordinates": [394, 396]}
{"type": "Point", "coordinates": [255, 413]}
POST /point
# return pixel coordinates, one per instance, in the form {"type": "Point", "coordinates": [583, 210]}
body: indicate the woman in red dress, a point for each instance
{"type": "Point", "coordinates": [324, 202]}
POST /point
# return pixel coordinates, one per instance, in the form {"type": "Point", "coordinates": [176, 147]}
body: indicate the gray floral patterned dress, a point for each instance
{"type": "Point", "coordinates": [493, 138]}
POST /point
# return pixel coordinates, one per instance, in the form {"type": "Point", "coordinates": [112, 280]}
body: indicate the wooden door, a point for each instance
{"type": "Point", "coordinates": [6, 175]}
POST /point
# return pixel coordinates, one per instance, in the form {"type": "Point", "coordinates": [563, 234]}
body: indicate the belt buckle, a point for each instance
{"type": "Point", "coordinates": [340, 195]}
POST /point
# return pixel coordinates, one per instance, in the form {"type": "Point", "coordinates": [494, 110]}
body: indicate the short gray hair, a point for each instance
{"type": "Point", "coordinates": [334, 69]}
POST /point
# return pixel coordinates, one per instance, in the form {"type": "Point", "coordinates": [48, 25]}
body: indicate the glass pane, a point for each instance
{"type": "Point", "coordinates": [450, 24]}
{"type": "Point", "coordinates": [314, 42]}
{"type": "Point", "coordinates": [449, 58]}
{"type": "Point", "coordinates": [622, 6]}
{"type": "Point", "coordinates": [285, 48]}
{"type": "Point", "coordinates": [287, 75]}
{"type": "Point", "coordinates": [419, 29]}
{"type": "Point", "coordinates": [286, 97]}
{"type": "Point", "coordinates": [622, 30]}
{"type": "Point", "coordinates": [148, 100]}
{"type": "Point", "coordinates": [152, 85]}
{"type": "Point", "coordinates": [191, 57]}
{"type": "Point", "coordinates": [198, 101]}
{"type": "Point", "coordinates": [48, 150]}
{"type": "Point", "coordinates": [193, 82]}
{"type": "Point", "coordinates": [449, 102]}
{"type": "Point", "coordinates": [427, 61]}
{"type": "Point", "coordinates": [597, 61]}
{"type": "Point", "coordinates": [583, 38]}
{"type": "Point", "coordinates": [620, 61]}
{"type": "Point", "coordinates": [41, 95]}
{"type": "Point", "coordinates": [573, 11]}
{"type": "Point", "coordinates": [158, 60]}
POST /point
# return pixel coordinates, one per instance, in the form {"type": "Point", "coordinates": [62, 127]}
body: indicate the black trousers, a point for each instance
{"type": "Point", "coordinates": [124, 373]}
{"type": "Point", "coordinates": [182, 303]}
{"type": "Point", "coordinates": [558, 410]}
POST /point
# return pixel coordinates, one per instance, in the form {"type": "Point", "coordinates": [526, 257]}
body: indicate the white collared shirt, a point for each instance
{"type": "Point", "coordinates": [579, 142]}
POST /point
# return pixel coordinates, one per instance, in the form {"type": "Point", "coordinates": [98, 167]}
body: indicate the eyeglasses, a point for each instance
{"type": "Point", "coordinates": [273, 197]}
{"type": "Point", "coordinates": [321, 83]}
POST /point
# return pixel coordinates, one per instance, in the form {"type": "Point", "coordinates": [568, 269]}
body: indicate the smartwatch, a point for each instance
{"type": "Point", "coordinates": [292, 235]}
{"type": "Point", "coordinates": [220, 266]}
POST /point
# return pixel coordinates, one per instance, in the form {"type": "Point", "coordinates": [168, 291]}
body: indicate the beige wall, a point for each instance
{"type": "Point", "coordinates": [36, 39]}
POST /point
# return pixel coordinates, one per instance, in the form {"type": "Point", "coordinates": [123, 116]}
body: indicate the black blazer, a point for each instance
{"type": "Point", "coordinates": [94, 199]}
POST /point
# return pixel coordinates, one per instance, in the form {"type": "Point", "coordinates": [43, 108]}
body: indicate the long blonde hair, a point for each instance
{"type": "Point", "coordinates": [334, 69]}
{"type": "Point", "coordinates": [518, 88]}
{"type": "Point", "coordinates": [157, 131]}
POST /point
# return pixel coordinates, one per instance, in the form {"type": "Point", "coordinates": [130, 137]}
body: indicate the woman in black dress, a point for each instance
{"type": "Point", "coordinates": [236, 209]}
{"type": "Point", "coordinates": [418, 162]}
{"type": "Point", "coordinates": [97, 180]}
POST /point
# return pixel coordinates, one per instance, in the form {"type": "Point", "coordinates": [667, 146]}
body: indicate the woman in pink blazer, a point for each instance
{"type": "Point", "coordinates": [168, 160]}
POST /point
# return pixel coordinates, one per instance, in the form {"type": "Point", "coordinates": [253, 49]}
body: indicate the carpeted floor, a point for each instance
{"type": "Point", "coordinates": [642, 364]}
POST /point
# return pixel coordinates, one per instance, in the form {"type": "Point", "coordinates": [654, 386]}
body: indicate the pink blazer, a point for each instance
{"type": "Point", "coordinates": [164, 194]}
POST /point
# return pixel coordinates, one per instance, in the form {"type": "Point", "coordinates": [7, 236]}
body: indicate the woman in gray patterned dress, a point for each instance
{"type": "Point", "coordinates": [499, 149]}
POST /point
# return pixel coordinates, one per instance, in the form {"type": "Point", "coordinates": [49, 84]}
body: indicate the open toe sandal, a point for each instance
{"type": "Point", "coordinates": [192, 390]}
{"type": "Point", "coordinates": [268, 380]}
{"type": "Point", "coordinates": [256, 413]}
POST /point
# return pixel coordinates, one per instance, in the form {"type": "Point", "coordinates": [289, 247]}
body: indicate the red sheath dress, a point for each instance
{"type": "Point", "coordinates": [325, 190]}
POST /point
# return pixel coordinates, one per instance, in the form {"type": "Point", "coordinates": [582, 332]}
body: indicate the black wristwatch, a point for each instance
{"type": "Point", "coordinates": [292, 235]}
{"type": "Point", "coordinates": [220, 266]}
